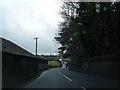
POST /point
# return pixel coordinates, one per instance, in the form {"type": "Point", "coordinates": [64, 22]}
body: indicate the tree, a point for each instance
{"type": "Point", "coordinates": [89, 29]}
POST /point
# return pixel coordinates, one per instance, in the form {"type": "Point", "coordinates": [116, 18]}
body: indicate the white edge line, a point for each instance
{"type": "Point", "coordinates": [83, 88]}
{"type": "Point", "coordinates": [41, 75]}
{"type": "Point", "coordinates": [67, 78]}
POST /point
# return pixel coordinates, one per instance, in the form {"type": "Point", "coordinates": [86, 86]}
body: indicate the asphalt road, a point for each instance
{"type": "Point", "coordinates": [64, 78]}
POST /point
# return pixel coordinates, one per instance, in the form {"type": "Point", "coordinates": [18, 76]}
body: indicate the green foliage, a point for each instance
{"type": "Point", "coordinates": [105, 58]}
{"type": "Point", "coordinates": [89, 29]}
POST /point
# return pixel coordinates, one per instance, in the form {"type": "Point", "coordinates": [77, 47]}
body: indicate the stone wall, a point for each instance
{"type": "Point", "coordinates": [16, 68]}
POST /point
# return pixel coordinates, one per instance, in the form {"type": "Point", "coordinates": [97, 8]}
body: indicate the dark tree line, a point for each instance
{"type": "Point", "coordinates": [89, 29]}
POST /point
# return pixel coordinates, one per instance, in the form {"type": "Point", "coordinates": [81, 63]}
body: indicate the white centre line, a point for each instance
{"type": "Point", "coordinates": [83, 88]}
{"type": "Point", "coordinates": [67, 78]}
{"type": "Point", "coordinates": [59, 72]}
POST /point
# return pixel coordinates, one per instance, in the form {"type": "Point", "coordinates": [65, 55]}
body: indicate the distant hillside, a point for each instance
{"type": "Point", "coordinates": [10, 47]}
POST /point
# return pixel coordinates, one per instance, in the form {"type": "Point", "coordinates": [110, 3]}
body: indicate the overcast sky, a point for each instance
{"type": "Point", "coordinates": [22, 20]}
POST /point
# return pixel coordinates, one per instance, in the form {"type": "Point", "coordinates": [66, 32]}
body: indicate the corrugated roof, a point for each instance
{"type": "Point", "coordinates": [10, 47]}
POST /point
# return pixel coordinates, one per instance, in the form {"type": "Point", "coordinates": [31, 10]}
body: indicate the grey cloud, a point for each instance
{"type": "Point", "coordinates": [22, 21]}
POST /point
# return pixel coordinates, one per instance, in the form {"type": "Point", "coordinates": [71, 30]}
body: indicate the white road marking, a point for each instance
{"type": "Point", "coordinates": [59, 72]}
{"type": "Point", "coordinates": [83, 88]}
{"type": "Point", "coordinates": [41, 75]}
{"type": "Point", "coordinates": [67, 78]}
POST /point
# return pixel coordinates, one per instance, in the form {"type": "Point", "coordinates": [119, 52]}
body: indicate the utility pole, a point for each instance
{"type": "Point", "coordinates": [50, 59]}
{"type": "Point", "coordinates": [36, 45]}
{"type": "Point", "coordinates": [50, 54]}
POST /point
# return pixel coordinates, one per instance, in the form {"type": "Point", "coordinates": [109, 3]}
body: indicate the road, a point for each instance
{"type": "Point", "coordinates": [64, 78]}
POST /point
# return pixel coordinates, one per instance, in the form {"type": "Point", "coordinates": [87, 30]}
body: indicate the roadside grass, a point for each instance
{"type": "Point", "coordinates": [66, 59]}
{"type": "Point", "coordinates": [54, 63]}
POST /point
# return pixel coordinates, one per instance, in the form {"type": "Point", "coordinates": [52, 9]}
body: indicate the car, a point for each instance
{"type": "Point", "coordinates": [67, 64]}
